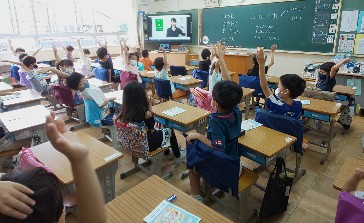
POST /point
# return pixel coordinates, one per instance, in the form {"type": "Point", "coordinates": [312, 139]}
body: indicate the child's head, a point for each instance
{"type": "Point", "coordinates": [215, 65]}
{"type": "Point", "coordinates": [47, 195]}
{"type": "Point", "coordinates": [102, 53]}
{"type": "Point", "coordinates": [22, 56]}
{"type": "Point", "coordinates": [86, 52]}
{"type": "Point", "coordinates": [133, 58]}
{"type": "Point", "coordinates": [66, 66]}
{"type": "Point", "coordinates": [325, 68]}
{"type": "Point", "coordinates": [19, 50]}
{"type": "Point", "coordinates": [70, 48]}
{"type": "Point", "coordinates": [135, 103]}
{"type": "Point", "coordinates": [145, 53]}
{"type": "Point", "coordinates": [30, 62]}
{"type": "Point", "coordinates": [205, 53]}
{"type": "Point", "coordinates": [226, 95]}
{"type": "Point", "coordinates": [77, 82]}
{"type": "Point", "coordinates": [137, 55]}
{"type": "Point", "coordinates": [255, 61]}
{"type": "Point", "coordinates": [159, 63]}
{"type": "Point", "coordinates": [290, 86]}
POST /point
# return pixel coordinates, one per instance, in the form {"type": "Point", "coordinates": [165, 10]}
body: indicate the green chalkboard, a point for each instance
{"type": "Point", "coordinates": [194, 14]}
{"type": "Point", "coordinates": [294, 26]}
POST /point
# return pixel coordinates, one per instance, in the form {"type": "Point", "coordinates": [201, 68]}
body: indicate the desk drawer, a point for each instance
{"type": "Point", "coordinates": [317, 116]}
{"type": "Point", "coordinates": [147, 80]}
{"type": "Point", "coordinates": [179, 86]}
{"type": "Point", "coordinates": [252, 155]}
{"type": "Point", "coordinates": [272, 86]}
{"type": "Point", "coordinates": [341, 97]}
{"type": "Point", "coordinates": [161, 120]}
{"type": "Point", "coordinates": [177, 126]}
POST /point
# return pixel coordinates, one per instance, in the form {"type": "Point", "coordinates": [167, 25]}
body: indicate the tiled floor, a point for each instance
{"type": "Point", "coordinates": [312, 198]}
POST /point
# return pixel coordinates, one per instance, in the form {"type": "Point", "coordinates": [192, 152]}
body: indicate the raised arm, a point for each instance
{"type": "Point", "coordinates": [11, 47]}
{"type": "Point", "coordinates": [59, 73]}
{"type": "Point", "coordinates": [165, 61]}
{"type": "Point", "coordinates": [336, 68]}
{"type": "Point", "coordinates": [123, 51]}
{"type": "Point", "coordinates": [17, 63]}
{"type": "Point", "coordinates": [220, 52]}
{"type": "Point", "coordinates": [353, 181]}
{"type": "Point", "coordinates": [90, 202]}
{"type": "Point", "coordinates": [63, 47]}
{"type": "Point", "coordinates": [56, 56]}
{"type": "Point", "coordinates": [272, 50]}
{"type": "Point", "coordinates": [263, 79]}
{"type": "Point", "coordinates": [80, 48]}
{"type": "Point", "coordinates": [37, 51]}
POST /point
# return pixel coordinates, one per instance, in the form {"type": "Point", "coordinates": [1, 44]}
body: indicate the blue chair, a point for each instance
{"type": "Point", "coordinates": [221, 171]}
{"type": "Point", "coordinates": [253, 83]}
{"type": "Point", "coordinates": [163, 88]}
{"type": "Point", "coordinates": [101, 73]}
{"type": "Point", "coordinates": [288, 125]}
{"type": "Point", "coordinates": [15, 72]}
{"type": "Point", "coordinates": [201, 75]}
{"type": "Point", "coordinates": [178, 70]}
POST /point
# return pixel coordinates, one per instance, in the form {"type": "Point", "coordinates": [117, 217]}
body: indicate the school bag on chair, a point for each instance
{"type": "Point", "coordinates": [276, 195]}
{"type": "Point", "coordinates": [347, 114]}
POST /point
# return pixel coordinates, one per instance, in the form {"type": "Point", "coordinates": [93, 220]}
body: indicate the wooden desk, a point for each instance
{"type": "Point", "coordinates": [103, 158]}
{"type": "Point", "coordinates": [247, 95]}
{"type": "Point", "coordinates": [26, 98]}
{"type": "Point", "coordinates": [103, 85]}
{"type": "Point", "coordinates": [262, 144]}
{"type": "Point", "coordinates": [192, 118]}
{"type": "Point", "coordinates": [346, 171]}
{"type": "Point", "coordinates": [324, 111]}
{"type": "Point", "coordinates": [185, 84]}
{"type": "Point", "coordinates": [23, 123]}
{"type": "Point", "coordinates": [117, 94]}
{"type": "Point", "coordinates": [343, 93]}
{"type": "Point", "coordinates": [273, 82]}
{"type": "Point", "coordinates": [136, 203]}
{"type": "Point", "coordinates": [5, 87]}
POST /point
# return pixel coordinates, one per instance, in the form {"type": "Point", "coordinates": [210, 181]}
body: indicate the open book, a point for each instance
{"type": "Point", "coordinates": [166, 212]}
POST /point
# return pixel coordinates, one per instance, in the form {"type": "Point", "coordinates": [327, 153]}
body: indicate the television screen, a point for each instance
{"type": "Point", "coordinates": [169, 28]}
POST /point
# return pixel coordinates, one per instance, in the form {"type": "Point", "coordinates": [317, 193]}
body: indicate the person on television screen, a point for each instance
{"type": "Point", "coordinates": [173, 31]}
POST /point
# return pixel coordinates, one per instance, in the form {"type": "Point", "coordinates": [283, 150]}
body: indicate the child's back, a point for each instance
{"type": "Point", "coordinates": [146, 60]}
{"type": "Point", "coordinates": [204, 65]}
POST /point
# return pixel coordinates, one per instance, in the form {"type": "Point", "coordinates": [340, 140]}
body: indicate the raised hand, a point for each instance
{"type": "Point", "coordinates": [260, 56]}
{"type": "Point", "coordinates": [273, 47]}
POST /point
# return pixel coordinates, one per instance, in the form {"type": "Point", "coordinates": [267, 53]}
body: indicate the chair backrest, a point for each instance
{"type": "Point", "coordinates": [126, 77]}
{"type": "Point", "coordinates": [201, 75]}
{"type": "Point", "coordinates": [282, 123]}
{"type": "Point", "coordinates": [178, 70]}
{"type": "Point", "coordinates": [253, 83]}
{"type": "Point", "coordinates": [92, 113]}
{"type": "Point", "coordinates": [14, 72]}
{"type": "Point", "coordinates": [23, 80]}
{"type": "Point", "coordinates": [215, 167]}
{"type": "Point", "coordinates": [101, 73]}
{"type": "Point", "coordinates": [63, 95]}
{"type": "Point", "coordinates": [163, 88]}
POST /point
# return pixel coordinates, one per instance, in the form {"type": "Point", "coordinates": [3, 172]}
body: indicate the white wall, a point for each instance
{"type": "Point", "coordinates": [285, 62]}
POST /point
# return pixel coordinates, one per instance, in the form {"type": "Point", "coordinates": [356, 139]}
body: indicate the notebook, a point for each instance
{"type": "Point", "coordinates": [167, 212]}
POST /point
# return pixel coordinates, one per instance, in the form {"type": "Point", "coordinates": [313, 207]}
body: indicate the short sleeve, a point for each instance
{"type": "Point", "coordinates": [217, 136]}
{"type": "Point", "coordinates": [273, 103]}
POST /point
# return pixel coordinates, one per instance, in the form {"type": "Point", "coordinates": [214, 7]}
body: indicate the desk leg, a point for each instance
{"type": "Point", "coordinates": [297, 172]}
{"type": "Point", "coordinates": [200, 126]}
{"type": "Point", "coordinates": [106, 177]}
{"type": "Point", "coordinates": [326, 155]}
{"type": "Point", "coordinates": [247, 106]}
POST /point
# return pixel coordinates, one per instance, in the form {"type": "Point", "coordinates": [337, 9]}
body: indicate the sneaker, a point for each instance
{"type": "Point", "coordinates": [197, 198]}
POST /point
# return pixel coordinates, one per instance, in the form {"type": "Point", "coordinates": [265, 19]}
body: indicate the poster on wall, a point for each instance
{"type": "Point", "coordinates": [359, 44]}
{"type": "Point", "coordinates": [355, 84]}
{"type": "Point", "coordinates": [346, 43]}
{"type": "Point", "coordinates": [361, 23]}
{"type": "Point", "coordinates": [349, 21]}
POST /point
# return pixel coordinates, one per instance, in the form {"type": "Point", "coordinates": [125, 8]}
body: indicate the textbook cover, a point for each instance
{"type": "Point", "coordinates": [166, 212]}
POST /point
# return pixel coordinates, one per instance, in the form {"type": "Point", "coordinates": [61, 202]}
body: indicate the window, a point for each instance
{"type": "Point", "coordinates": [48, 21]}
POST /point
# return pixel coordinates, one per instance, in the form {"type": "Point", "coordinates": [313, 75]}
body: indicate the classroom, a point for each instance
{"type": "Point", "coordinates": [182, 111]}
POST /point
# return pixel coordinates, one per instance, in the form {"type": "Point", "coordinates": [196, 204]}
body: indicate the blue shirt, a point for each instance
{"type": "Point", "coordinates": [224, 131]}
{"type": "Point", "coordinates": [326, 84]}
{"type": "Point", "coordinates": [275, 105]}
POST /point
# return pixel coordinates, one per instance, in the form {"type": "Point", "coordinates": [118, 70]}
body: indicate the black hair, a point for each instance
{"type": "Point", "coordinates": [173, 20]}
{"type": "Point", "coordinates": [327, 67]}
{"type": "Point", "coordinates": [213, 65]}
{"type": "Point", "coordinates": [294, 83]}
{"type": "Point", "coordinates": [135, 103]}
{"type": "Point", "coordinates": [127, 48]}
{"type": "Point", "coordinates": [19, 49]}
{"type": "Point", "coordinates": [137, 55]}
{"type": "Point", "coordinates": [86, 51]}
{"type": "Point", "coordinates": [22, 56]}
{"type": "Point", "coordinates": [70, 48]}
{"type": "Point", "coordinates": [133, 54]}
{"type": "Point", "coordinates": [47, 195]}
{"type": "Point", "coordinates": [29, 60]}
{"type": "Point", "coordinates": [227, 94]}
{"type": "Point", "coordinates": [64, 62]}
{"type": "Point", "coordinates": [159, 63]}
{"type": "Point", "coordinates": [205, 53]}
{"type": "Point", "coordinates": [145, 53]}
{"type": "Point", "coordinates": [255, 61]}
{"type": "Point", "coordinates": [74, 80]}
{"type": "Point", "coordinates": [101, 52]}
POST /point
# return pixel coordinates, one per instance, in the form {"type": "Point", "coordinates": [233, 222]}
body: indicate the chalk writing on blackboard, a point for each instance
{"type": "Point", "coordinates": [229, 27]}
